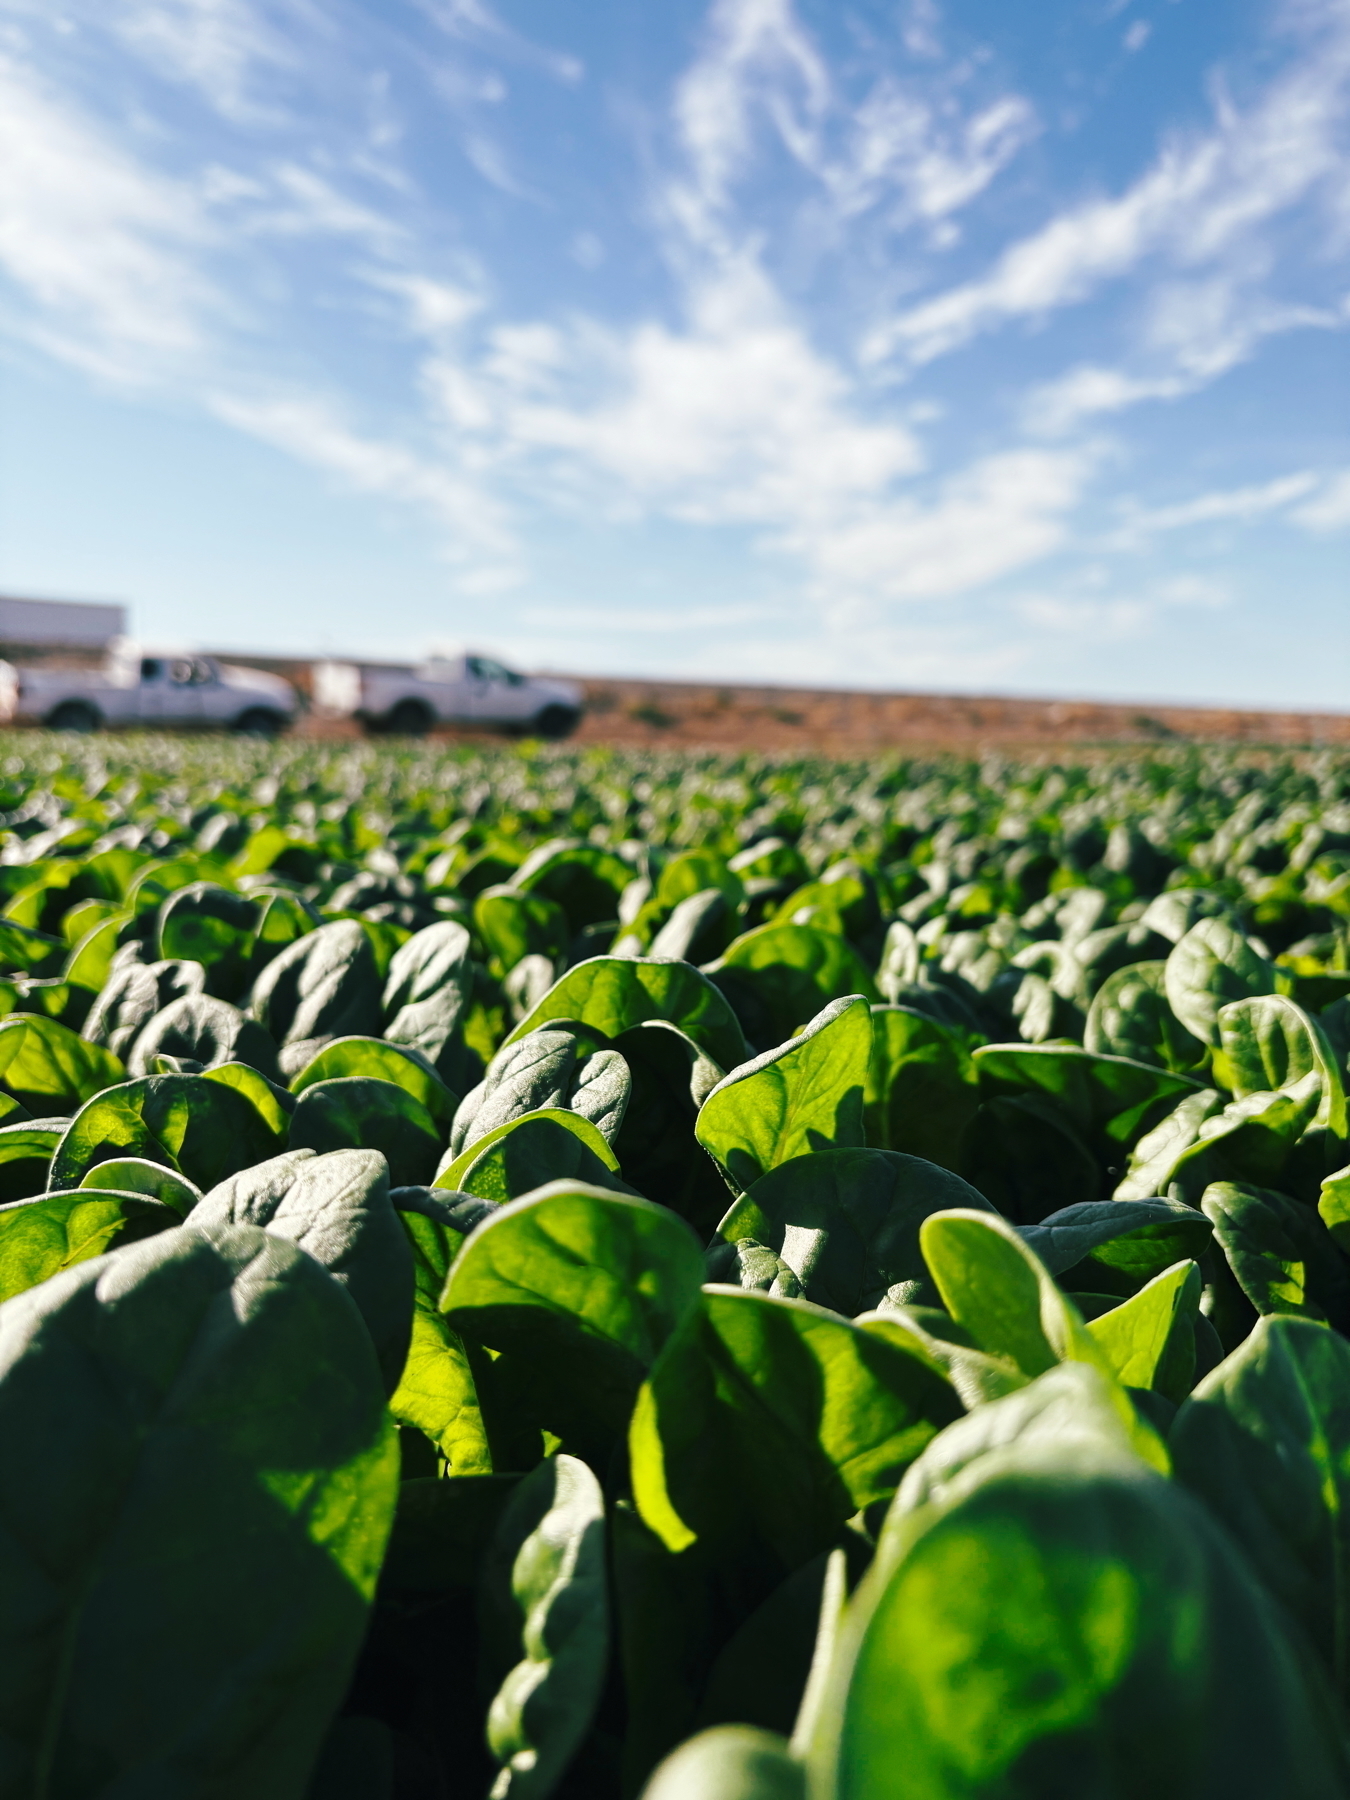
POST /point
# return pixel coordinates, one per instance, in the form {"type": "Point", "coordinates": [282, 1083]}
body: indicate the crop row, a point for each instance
{"type": "Point", "coordinates": [558, 1273]}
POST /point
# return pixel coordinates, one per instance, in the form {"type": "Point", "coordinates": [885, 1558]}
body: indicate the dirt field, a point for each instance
{"type": "Point", "coordinates": [740, 716]}
{"type": "Point", "coordinates": [737, 716]}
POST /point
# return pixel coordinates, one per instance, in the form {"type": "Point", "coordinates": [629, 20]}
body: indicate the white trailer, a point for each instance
{"type": "Point", "coordinates": [465, 689]}
{"type": "Point", "coordinates": [60, 624]}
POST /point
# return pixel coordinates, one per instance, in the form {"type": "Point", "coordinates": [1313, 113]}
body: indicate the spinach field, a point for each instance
{"type": "Point", "coordinates": [563, 1273]}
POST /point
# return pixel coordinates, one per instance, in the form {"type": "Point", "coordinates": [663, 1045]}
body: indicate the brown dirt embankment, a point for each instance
{"type": "Point", "coordinates": [743, 716]}
{"type": "Point", "coordinates": [737, 716]}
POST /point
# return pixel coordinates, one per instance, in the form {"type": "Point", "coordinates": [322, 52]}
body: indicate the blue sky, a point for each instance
{"type": "Point", "coordinates": [949, 344]}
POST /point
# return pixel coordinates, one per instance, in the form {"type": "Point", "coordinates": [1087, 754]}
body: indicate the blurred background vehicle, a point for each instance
{"type": "Point", "coordinates": [135, 686]}
{"type": "Point", "coordinates": [460, 688]}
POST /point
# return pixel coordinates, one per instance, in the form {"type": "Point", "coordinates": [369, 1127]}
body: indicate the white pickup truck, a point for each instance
{"type": "Point", "coordinates": [461, 689]}
{"type": "Point", "coordinates": [137, 687]}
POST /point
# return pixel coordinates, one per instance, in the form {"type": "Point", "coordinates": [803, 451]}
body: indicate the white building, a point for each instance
{"type": "Point", "coordinates": [64, 624]}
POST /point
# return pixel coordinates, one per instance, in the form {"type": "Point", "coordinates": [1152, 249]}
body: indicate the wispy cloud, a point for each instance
{"type": "Point", "coordinates": [1222, 506]}
{"type": "Point", "coordinates": [915, 147]}
{"type": "Point", "coordinates": [1329, 510]}
{"type": "Point", "coordinates": [734, 419]}
{"type": "Point", "coordinates": [475, 23]}
{"type": "Point", "coordinates": [997, 515]}
{"type": "Point", "coordinates": [1200, 201]}
{"type": "Point", "coordinates": [105, 251]}
{"type": "Point", "coordinates": [477, 532]}
{"type": "Point", "coordinates": [216, 46]}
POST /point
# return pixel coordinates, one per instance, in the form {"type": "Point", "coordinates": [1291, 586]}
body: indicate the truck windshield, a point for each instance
{"type": "Point", "coordinates": [482, 668]}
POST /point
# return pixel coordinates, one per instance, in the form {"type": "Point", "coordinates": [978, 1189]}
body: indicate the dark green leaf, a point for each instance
{"type": "Point", "coordinates": [994, 1285]}
{"type": "Point", "coordinates": [373, 1057]}
{"type": "Point", "coordinates": [1157, 1153]}
{"type": "Point", "coordinates": [337, 1209]}
{"type": "Point", "coordinates": [847, 1222]}
{"type": "Point", "coordinates": [612, 993]}
{"type": "Point", "coordinates": [1211, 966]}
{"type": "Point", "coordinates": [1109, 1101]}
{"type": "Point", "coordinates": [273, 1104]}
{"type": "Point", "coordinates": [1026, 1158]}
{"type": "Point", "coordinates": [1265, 1442]}
{"type": "Point", "coordinates": [1060, 1620]}
{"type": "Point", "coordinates": [729, 1762]}
{"type": "Point", "coordinates": [779, 976]}
{"type": "Point", "coordinates": [210, 925]}
{"type": "Point", "coordinates": [584, 880]}
{"type": "Point", "coordinates": [360, 1112]}
{"type": "Point", "coordinates": [132, 995]}
{"type": "Point", "coordinates": [1283, 1256]}
{"type": "Point", "coordinates": [922, 1086]}
{"type": "Point", "coordinates": [657, 1150]}
{"type": "Point", "coordinates": [778, 1418]}
{"type": "Point", "coordinates": [544, 1592]}
{"type": "Point", "coordinates": [525, 1153]}
{"type": "Point", "coordinates": [189, 1559]}
{"type": "Point", "coordinates": [428, 988]}
{"type": "Point", "coordinates": [514, 925]}
{"type": "Point", "coordinates": [437, 1392]}
{"type": "Point", "coordinates": [1333, 1203]}
{"type": "Point", "coordinates": [205, 1031]}
{"type": "Point", "coordinates": [134, 1175]}
{"type": "Point", "coordinates": [1270, 1043]}
{"type": "Point", "coordinates": [25, 1157]}
{"type": "Point", "coordinates": [1136, 1239]}
{"type": "Point", "coordinates": [581, 1287]}
{"type": "Point", "coordinates": [744, 1263]}
{"type": "Point", "coordinates": [200, 1127]}
{"type": "Point", "coordinates": [47, 1068]}
{"type": "Point", "coordinates": [442, 1531]}
{"type": "Point", "coordinates": [39, 1238]}
{"type": "Point", "coordinates": [805, 1095]}
{"type": "Point", "coordinates": [324, 985]}
{"type": "Point", "coordinates": [550, 1070]}
{"type": "Point", "coordinates": [1149, 1340]}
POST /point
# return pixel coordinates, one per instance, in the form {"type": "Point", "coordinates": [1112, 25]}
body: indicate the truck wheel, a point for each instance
{"type": "Point", "coordinates": [259, 722]}
{"type": "Point", "coordinates": [408, 719]}
{"type": "Point", "coordinates": [74, 715]}
{"type": "Point", "coordinates": [556, 721]}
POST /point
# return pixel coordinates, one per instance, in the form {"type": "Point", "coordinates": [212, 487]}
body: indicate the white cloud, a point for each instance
{"type": "Point", "coordinates": [307, 204]}
{"type": "Point", "coordinates": [1228, 504]}
{"type": "Point", "coordinates": [1329, 510]}
{"type": "Point", "coordinates": [653, 621]}
{"type": "Point", "coordinates": [213, 45]}
{"type": "Point", "coordinates": [905, 144]}
{"type": "Point", "coordinates": [104, 250]}
{"type": "Point", "coordinates": [1137, 36]}
{"type": "Point", "coordinates": [315, 433]}
{"type": "Point", "coordinates": [1102, 617]}
{"type": "Point", "coordinates": [435, 309]}
{"type": "Point", "coordinates": [475, 23]}
{"type": "Point", "coordinates": [735, 420]}
{"type": "Point", "coordinates": [489, 159]}
{"type": "Point", "coordinates": [1000, 514]}
{"type": "Point", "coordinates": [1060, 406]}
{"type": "Point", "coordinates": [757, 57]}
{"type": "Point", "coordinates": [1202, 198]}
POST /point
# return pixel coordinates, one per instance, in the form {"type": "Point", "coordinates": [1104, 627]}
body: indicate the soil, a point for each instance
{"type": "Point", "coordinates": [739, 716]}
